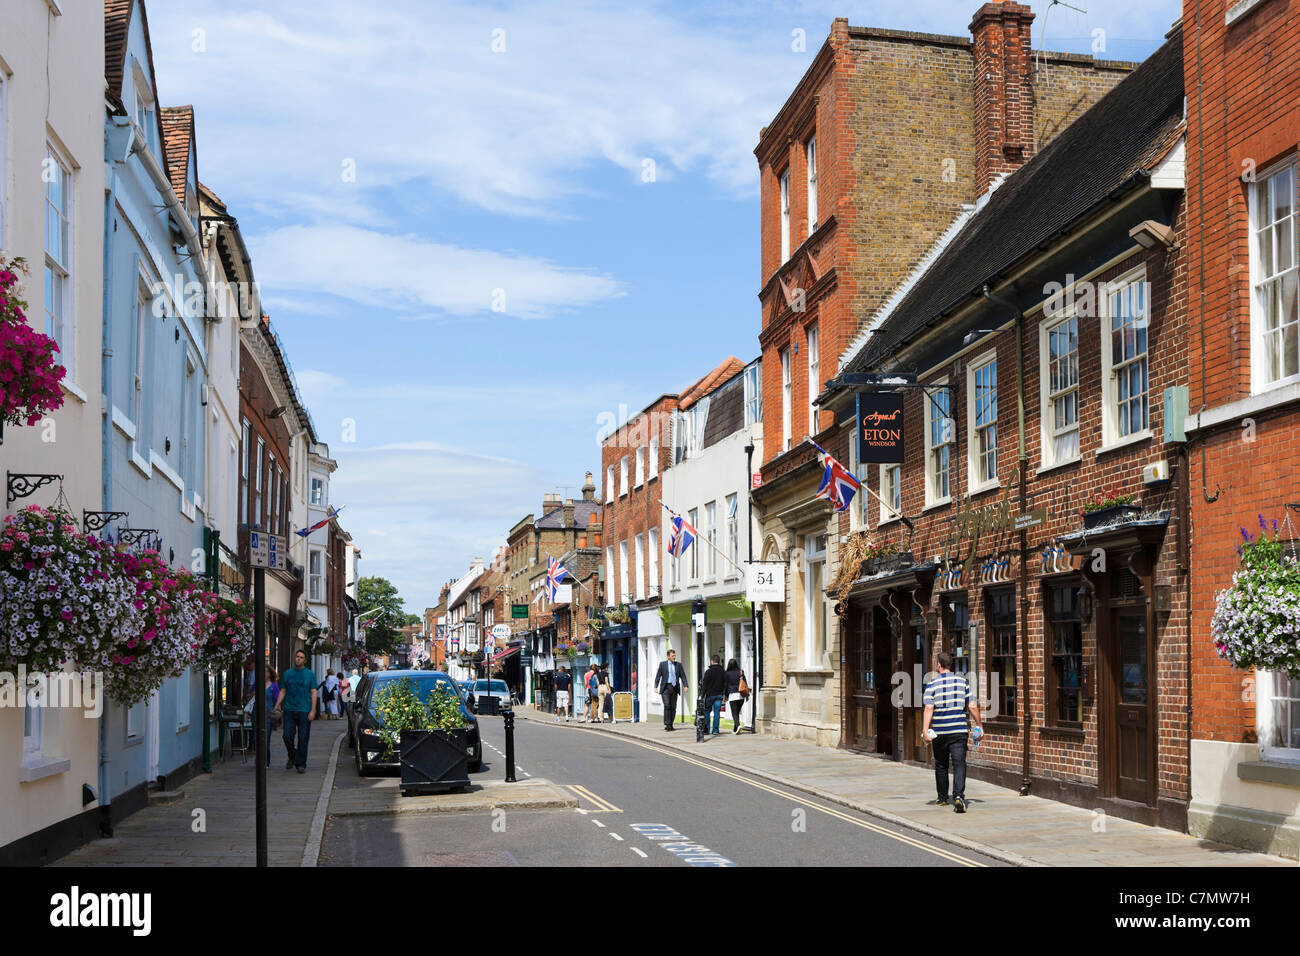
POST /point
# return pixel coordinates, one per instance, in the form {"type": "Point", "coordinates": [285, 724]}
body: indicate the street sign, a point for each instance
{"type": "Point", "coordinates": [1029, 519]}
{"type": "Point", "coordinates": [756, 480]}
{"type": "Point", "coordinates": [518, 612]}
{"type": "Point", "coordinates": [501, 632]}
{"type": "Point", "coordinates": [880, 427]}
{"type": "Point", "coordinates": [765, 581]}
{"type": "Point", "coordinates": [266, 550]}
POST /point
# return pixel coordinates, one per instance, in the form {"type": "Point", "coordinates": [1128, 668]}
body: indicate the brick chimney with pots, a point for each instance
{"type": "Point", "coordinates": [1004, 96]}
{"type": "Point", "coordinates": [589, 488]}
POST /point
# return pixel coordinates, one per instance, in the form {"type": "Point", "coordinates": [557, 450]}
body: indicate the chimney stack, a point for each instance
{"type": "Point", "coordinates": [1004, 96]}
{"type": "Point", "coordinates": [589, 489]}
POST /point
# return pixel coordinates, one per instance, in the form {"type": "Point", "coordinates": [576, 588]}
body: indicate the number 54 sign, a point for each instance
{"type": "Point", "coordinates": [765, 581]}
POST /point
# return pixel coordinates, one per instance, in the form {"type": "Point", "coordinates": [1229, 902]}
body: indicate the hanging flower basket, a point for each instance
{"type": "Point", "coordinates": [62, 596]}
{"type": "Point", "coordinates": [1256, 622]}
{"type": "Point", "coordinates": [229, 633]}
{"type": "Point", "coordinates": [29, 375]}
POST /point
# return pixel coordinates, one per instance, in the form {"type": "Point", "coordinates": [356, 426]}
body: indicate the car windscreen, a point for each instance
{"type": "Point", "coordinates": [424, 686]}
{"type": "Point", "coordinates": [497, 686]}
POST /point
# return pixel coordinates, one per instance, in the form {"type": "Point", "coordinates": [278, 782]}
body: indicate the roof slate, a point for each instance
{"type": "Point", "coordinates": [1123, 134]}
{"type": "Point", "coordinates": [178, 138]}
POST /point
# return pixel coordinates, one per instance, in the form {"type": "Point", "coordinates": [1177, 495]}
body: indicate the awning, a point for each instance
{"type": "Point", "coordinates": [717, 609]}
{"type": "Point", "coordinates": [506, 653]}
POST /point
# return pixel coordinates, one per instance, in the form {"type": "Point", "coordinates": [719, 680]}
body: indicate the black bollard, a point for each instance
{"type": "Point", "coordinates": [509, 720]}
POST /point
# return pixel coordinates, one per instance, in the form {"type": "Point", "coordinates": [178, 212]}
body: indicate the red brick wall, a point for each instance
{"type": "Point", "coordinates": [639, 510]}
{"type": "Point", "coordinates": [1246, 116]}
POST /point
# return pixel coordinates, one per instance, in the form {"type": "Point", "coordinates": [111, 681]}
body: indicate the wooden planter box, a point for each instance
{"type": "Point", "coordinates": [434, 761]}
{"type": "Point", "coordinates": [1093, 518]}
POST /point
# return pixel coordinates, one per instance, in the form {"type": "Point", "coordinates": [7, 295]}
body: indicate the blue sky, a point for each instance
{"type": "Point", "coordinates": [396, 177]}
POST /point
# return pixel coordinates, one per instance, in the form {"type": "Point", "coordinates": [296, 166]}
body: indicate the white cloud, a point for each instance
{"type": "Point", "coordinates": [406, 273]}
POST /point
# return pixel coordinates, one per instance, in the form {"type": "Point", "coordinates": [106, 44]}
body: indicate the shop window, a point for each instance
{"type": "Point", "coordinates": [1064, 634]}
{"type": "Point", "coordinates": [1002, 649]}
{"type": "Point", "coordinates": [957, 624]}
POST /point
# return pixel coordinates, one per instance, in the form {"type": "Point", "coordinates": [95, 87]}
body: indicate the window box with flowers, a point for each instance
{"type": "Point", "coordinates": [1105, 509]}
{"type": "Point", "coordinates": [1256, 622]}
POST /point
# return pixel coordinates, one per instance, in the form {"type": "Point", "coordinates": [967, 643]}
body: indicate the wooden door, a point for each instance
{"type": "Point", "coordinates": [916, 661]}
{"type": "Point", "coordinates": [860, 712]}
{"type": "Point", "coordinates": [1132, 708]}
{"type": "Point", "coordinates": [882, 674]}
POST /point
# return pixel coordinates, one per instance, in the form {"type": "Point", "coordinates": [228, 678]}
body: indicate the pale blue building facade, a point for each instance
{"type": "Point", "coordinates": [154, 384]}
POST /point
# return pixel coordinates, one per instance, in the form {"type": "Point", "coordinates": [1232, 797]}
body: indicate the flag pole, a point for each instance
{"type": "Point", "coordinates": [706, 540]}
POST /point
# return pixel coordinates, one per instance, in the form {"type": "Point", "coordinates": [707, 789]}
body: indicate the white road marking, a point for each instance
{"type": "Point", "coordinates": [641, 853]}
{"type": "Point", "coordinates": [616, 836]}
{"type": "Point", "coordinates": [598, 823]}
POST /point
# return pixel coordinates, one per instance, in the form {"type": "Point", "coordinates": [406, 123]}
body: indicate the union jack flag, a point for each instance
{"type": "Point", "coordinates": [838, 484]}
{"type": "Point", "coordinates": [555, 572]}
{"type": "Point", "coordinates": [683, 536]}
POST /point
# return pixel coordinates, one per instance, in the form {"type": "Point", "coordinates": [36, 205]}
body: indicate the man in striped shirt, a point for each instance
{"type": "Point", "coordinates": [947, 701]}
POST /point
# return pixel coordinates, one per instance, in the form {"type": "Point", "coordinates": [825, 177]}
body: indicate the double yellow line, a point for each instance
{"type": "Point", "coordinates": [802, 801]}
{"type": "Point", "coordinates": [604, 806]}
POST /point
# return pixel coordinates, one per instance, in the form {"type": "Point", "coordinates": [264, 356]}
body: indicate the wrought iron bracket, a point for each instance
{"type": "Point", "coordinates": [21, 484]}
{"type": "Point", "coordinates": [135, 535]}
{"type": "Point", "coordinates": [92, 521]}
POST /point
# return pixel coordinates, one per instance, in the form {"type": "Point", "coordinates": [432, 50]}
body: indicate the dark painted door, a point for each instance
{"type": "Point", "coordinates": [1132, 706]}
{"type": "Point", "coordinates": [860, 714]}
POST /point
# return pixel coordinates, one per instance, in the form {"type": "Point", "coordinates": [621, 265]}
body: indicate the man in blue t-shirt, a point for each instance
{"type": "Point", "coordinates": [298, 697]}
{"type": "Point", "coordinates": [947, 701]}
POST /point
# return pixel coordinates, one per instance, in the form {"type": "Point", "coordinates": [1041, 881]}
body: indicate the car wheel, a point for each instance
{"type": "Point", "coordinates": [361, 765]}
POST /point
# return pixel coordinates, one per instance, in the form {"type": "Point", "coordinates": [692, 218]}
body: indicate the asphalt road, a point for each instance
{"type": "Point", "coordinates": [638, 806]}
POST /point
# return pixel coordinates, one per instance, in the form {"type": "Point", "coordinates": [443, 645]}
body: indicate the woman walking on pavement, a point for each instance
{"type": "Point", "coordinates": [593, 695]}
{"type": "Point", "coordinates": [737, 692]}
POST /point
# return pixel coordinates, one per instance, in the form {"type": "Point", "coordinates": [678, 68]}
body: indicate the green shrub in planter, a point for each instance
{"type": "Point", "coordinates": [428, 735]}
{"type": "Point", "coordinates": [1256, 622]}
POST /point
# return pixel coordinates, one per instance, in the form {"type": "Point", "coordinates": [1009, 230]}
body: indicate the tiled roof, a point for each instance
{"type": "Point", "coordinates": [178, 138]}
{"type": "Point", "coordinates": [1100, 154]}
{"type": "Point", "coordinates": [582, 512]}
{"type": "Point", "coordinates": [732, 366]}
{"type": "Point", "coordinates": [117, 17]}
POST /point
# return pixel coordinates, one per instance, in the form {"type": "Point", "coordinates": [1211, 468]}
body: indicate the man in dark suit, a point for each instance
{"type": "Point", "coordinates": [669, 681]}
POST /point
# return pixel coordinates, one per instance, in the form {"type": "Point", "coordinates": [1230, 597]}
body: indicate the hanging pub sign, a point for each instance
{"type": "Point", "coordinates": [880, 428]}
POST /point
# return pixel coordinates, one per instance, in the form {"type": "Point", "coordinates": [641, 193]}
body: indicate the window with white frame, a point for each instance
{"type": "Point", "coordinates": [982, 413]}
{"type": "Point", "coordinates": [1059, 385]}
{"type": "Point", "coordinates": [654, 458]}
{"type": "Point", "coordinates": [140, 357]}
{"type": "Point", "coordinates": [675, 570]}
{"type": "Point", "coordinates": [733, 534]}
{"type": "Point", "coordinates": [1124, 356]}
{"type": "Point", "coordinates": [694, 519]}
{"type": "Point", "coordinates": [640, 467]}
{"type": "Point", "coordinates": [638, 544]}
{"type": "Point", "coordinates": [144, 107]}
{"type": "Point", "coordinates": [940, 436]}
{"type": "Point", "coordinates": [259, 487]}
{"type": "Point", "coordinates": [246, 448]}
{"type": "Point", "coordinates": [753, 394]}
{"type": "Point", "coordinates": [318, 492]}
{"type": "Point", "coordinates": [188, 404]}
{"type": "Point", "coordinates": [59, 321]}
{"type": "Point", "coordinates": [622, 475]}
{"type": "Point", "coordinates": [859, 509]}
{"type": "Point", "coordinates": [652, 549]}
{"type": "Point", "coordinates": [814, 377]}
{"type": "Point", "coordinates": [609, 484]}
{"type": "Point", "coordinates": [1275, 319]}
{"type": "Point", "coordinates": [609, 566]}
{"type": "Point", "coordinates": [891, 492]}
{"type": "Point", "coordinates": [316, 576]}
{"type": "Point", "coordinates": [785, 399]}
{"type": "Point", "coordinates": [622, 571]}
{"type": "Point", "coordinates": [711, 536]}
{"type": "Point", "coordinates": [4, 179]}
{"type": "Point", "coordinates": [785, 216]}
{"type": "Point", "coordinates": [810, 151]}
{"type": "Point", "coordinates": [32, 722]}
{"type": "Point", "coordinates": [814, 602]}
{"type": "Point", "coordinates": [1278, 716]}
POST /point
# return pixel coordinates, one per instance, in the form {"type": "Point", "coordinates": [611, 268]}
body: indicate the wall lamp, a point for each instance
{"type": "Point", "coordinates": [1149, 234]}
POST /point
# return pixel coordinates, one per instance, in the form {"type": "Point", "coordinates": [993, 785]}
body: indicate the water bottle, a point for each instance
{"type": "Point", "coordinates": [976, 734]}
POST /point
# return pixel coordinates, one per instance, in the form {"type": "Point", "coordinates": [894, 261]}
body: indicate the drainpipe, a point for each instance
{"type": "Point", "coordinates": [753, 615]}
{"type": "Point", "coordinates": [1023, 473]}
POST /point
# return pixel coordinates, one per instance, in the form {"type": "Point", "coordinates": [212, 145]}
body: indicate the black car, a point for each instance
{"type": "Point", "coordinates": [363, 721]}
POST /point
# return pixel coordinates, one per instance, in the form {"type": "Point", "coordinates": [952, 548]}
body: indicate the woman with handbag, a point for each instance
{"type": "Point", "coordinates": [737, 692]}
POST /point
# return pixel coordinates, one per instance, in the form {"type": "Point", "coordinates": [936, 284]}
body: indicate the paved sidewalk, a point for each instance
{"type": "Point", "coordinates": [1026, 831]}
{"type": "Point", "coordinates": [164, 834]}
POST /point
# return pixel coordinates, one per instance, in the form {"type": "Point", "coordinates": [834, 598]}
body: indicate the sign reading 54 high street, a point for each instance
{"type": "Point", "coordinates": [765, 581]}
{"type": "Point", "coordinates": [880, 428]}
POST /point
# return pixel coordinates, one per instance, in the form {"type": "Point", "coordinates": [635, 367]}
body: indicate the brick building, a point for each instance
{"type": "Point", "coordinates": [634, 458]}
{"type": "Point", "coordinates": [879, 146]}
{"type": "Point", "coordinates": [1242, 61]}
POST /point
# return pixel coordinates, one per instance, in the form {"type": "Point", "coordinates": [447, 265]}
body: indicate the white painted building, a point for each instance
{"type": "Point", "coordinates": [708, 484]}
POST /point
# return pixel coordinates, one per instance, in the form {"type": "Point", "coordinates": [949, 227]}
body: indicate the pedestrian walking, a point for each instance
{"type": "Point", "coordinates": [737, 692]}
{"type": "Point", "coordinates": [297, 698]}
{"type": "Point", "coordinates": [713, 685]}
{"type": "Point", "coordinates": [563, 684]}
{"type": "Point", "coordinates": [330, 698]}
{"type": "Point", "coordinates": [603, 691]}
{"type": "Point", "coordinates": [670, 680]}
{"type": "Point", "coordinates": [592, 682]}
{"type": "Point", "coordinates": [345, 695]}
{"type": "Point", "coordinates": [947, 702]}
{"type": "Point", "coordinates": [607, 699]}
